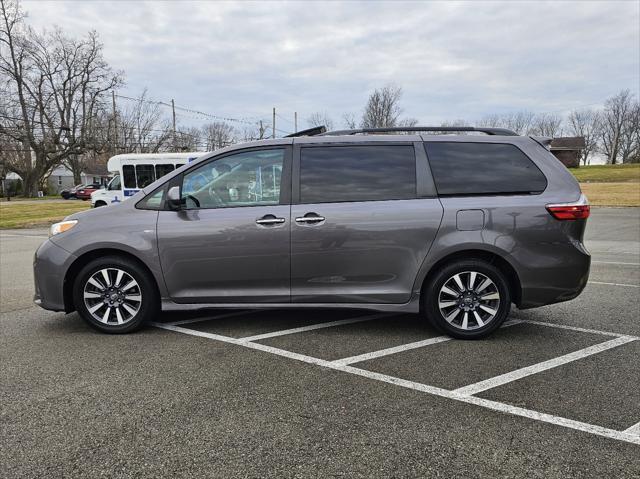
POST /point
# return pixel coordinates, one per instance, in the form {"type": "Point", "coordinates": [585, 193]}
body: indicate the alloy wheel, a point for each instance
{"type": "Point", "coordinates": [469, 300]}
{"type": "Point", "coordinates": [112, 296]}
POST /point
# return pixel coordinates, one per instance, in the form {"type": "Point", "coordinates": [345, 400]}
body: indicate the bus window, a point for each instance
{"type": "Point", "coordinates": [129, 174]}
{"type": "Point", "coordinates": [162, 170]}
{"type": "Point", "coordinates": [145, 174]}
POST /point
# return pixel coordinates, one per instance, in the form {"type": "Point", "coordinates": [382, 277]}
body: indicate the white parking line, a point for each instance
{"type": "Point", "coordinates": [616, 262]}
{"type": "Point", "coordinates": [633, 430]}
{"type": "Point", "coordinates": [493, 405]}
{"type": "Point", "coordinates": [575, 328]}
{"type": "Point", "coordinates": [22, 236]}
{"type": "Point", "coordinates": [311, 327]}
{"type": "Point", "coordinates": [496, 381]}
{"type": "Point", "coordinates": [394, 350]}
{"type": "Point", "coordinates": [220, 316]}
{"type": "Point", "coordinates": [615, 284]}
{"type": "Point", "coordinates": [497, 406]}
{"type": "Point", "coordinates": [406, 347]}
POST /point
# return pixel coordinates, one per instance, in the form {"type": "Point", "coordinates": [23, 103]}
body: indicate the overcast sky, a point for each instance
{"type": "Point", "coordinates": [453, 59]}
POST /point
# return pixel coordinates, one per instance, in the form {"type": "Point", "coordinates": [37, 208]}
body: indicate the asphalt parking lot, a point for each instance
{"type": "Point", "coordinates": [299, 393]}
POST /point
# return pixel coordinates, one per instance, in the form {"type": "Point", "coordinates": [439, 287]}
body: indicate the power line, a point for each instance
{"type": "Point", "coordinates": [189, 110]}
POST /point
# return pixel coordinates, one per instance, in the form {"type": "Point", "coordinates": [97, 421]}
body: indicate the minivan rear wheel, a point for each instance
{"type": "Point", "coordinates": [468, 299]}
{"type": "Point", "coordinates": [115, 295]}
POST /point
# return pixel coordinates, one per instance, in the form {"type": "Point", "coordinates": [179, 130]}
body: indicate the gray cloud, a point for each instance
{"type": "Point", "coordinates": [453, 59]}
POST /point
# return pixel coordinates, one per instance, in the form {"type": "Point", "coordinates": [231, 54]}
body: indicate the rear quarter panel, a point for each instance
{"type": "Point", "coordinates": [546, 254]}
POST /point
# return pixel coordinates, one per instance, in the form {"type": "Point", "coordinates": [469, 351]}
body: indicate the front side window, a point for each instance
{"type": "Point", "coordinates": [357, 173]}
{"type": "Point", "coordinates": [145, 175]}
{"type": "Point", "coordinates": [114, 184]}
{"type": "Point", "coordinates": [250, 178]}
{"type": "Point", "coordinates": [154, 201]}
{"type": "Point", "coordinates": [129, 174]}
{"type": "Point", "coordinates": [483, 169]}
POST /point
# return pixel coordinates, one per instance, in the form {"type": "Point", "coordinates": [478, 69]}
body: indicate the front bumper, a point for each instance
{"type": "Point", "coordinates": [49, 267]}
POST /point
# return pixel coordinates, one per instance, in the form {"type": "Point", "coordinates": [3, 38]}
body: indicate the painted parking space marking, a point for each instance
{"type": "Point", "coordinates": [220, 316]}
{"type": "Point", "coordinates": [498, 406]}
{"type": "Point", "coordinates": [616, 262]}
{"type": "Point", "coordinates": [633, 430]}
{"type": "Point", "coordinates": [630, 435]}
{"type": "Point", "coordinates": [406, 347]}
{"type": "Point", "coordinates": [624, 285]}
{"type": "Point", "coordinates": [496, 381]}
{"type": "Point", "coordinates": [394, 350]}
{"type": "Point", "coordinates": [312, 327]}
{"type": "Point", "coordinates": [9, 235]}
{"type": "Point", "coordinates": [576, 328]}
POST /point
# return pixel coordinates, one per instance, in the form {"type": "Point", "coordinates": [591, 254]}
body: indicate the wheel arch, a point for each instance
{"type": "Point", "coordinates": [82, 260]}
{"type": "Point", "coordinates": [489, 256]}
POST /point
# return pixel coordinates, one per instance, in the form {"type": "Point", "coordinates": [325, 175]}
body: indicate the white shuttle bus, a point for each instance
{"type": "Point", "coordinates": [134, 171]}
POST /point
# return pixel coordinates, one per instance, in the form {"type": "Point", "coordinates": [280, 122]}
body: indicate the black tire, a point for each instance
{"type": "Point", "coordinates": [99, 204]}
{"type": "Point", "coordinates": [145, 288]}
{"type": "Point", "coordinates": [433, 294]}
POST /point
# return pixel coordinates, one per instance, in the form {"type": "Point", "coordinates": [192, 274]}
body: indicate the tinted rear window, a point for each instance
{"type": "Point", "coordinates": [483, 168]}
{"type": "Point", "coordinates": [357, 173]}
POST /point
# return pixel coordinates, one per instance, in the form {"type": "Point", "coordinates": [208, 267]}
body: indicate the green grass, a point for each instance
{"type": "Point", "coordinates": [607, 173]}
{"type": "Point", "coordinates": [22, 198]}
{"type": "Point", "coordinates": [19, 214]}
{"type": "Point", "coordinates": [612, 194]}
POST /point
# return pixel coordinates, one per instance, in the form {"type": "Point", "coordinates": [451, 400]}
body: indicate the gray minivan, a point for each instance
{"type": "Point", "coordinates": [455, 227]}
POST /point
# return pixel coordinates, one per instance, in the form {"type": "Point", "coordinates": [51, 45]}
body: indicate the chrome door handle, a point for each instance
{"type": "Point", "coordinates": [310, 219]}
{"type": "Point", "coordinates": [270, 221]}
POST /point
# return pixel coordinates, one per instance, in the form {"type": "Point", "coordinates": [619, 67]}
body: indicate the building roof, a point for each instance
{"type": "Point", "coordinates": [568, 143]}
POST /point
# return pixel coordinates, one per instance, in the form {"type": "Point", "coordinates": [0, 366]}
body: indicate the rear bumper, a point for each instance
{"type": "Point", "coordinates": [561, 276]}
{"type": "Point", "coordinates": [49, 266]}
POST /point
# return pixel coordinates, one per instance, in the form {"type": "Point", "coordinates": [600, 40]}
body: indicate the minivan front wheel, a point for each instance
{"type": "Point", "coordinates": [468, 299]}
{"type": "Point", "coordinates": [115, 295]}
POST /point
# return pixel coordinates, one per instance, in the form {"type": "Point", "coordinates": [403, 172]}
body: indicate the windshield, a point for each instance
{"type": "Point", "coordinates": [114, 184]}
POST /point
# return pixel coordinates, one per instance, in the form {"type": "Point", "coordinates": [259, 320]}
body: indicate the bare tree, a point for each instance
{"type": "Point", "coordinates": [407, 122]}
{"type": "Point", "coordinates": [614, 120]}
{"type": "Point", "coordinates": [382, 108]}
{"type": "Point", "coordinates": [320, 119]}
{"type": "Point", "coordinates": [520, 122]}
{"type": "Point", "coordinates": [141, 127]}
{"type": "Point", "coordinates": [630, 137]}
{"type": "Point", "coordinates": [218, 135]}
{"type": "Point", "coordinates": [53, 87]}
{"type": "Point", "coordinates": [250, 132]}
{"type": "Point", "coordinates": [349, 120]}
{"type": "Point", "coordinates": [187, 139]}
{"type": "Point", "coordinates": [587, 124]}
{"type": "Point", "coordinates": [546, 124]}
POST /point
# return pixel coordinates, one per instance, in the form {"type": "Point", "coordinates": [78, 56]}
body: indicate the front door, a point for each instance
{"type": "Point", "coordinates": [361, 229]}
{"type": "Point", "coordinates": [230, 242]}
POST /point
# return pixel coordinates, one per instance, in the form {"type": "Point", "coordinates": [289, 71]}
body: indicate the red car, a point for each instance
{"type": "Point", "coordinates": [84, 193]}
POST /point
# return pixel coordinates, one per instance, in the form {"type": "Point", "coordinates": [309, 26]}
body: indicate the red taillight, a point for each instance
{"type": "Point", "coordinates": [571, 211]}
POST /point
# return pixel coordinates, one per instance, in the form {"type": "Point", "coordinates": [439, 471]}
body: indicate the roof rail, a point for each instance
{"type": "Point", "coordinates": [316, 130]}
{"type": "Point", "coordinates": [488, 131]}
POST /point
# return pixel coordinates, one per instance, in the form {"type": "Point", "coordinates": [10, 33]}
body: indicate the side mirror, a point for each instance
{"type": "Point", "coordinates": [173, 198]}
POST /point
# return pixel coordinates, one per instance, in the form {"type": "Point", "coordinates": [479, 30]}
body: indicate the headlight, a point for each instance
{"type": "Point", "coordinates": [61, 227]}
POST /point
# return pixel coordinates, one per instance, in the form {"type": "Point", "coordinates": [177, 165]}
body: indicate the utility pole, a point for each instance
{"type": "Point", "coordinates": [173, 110]}
{"type": "Point", "coordinates": [115, 123]}
{"type": "Point", "coordinates": [295, 122]}
{"type": "Point", "coordinates": [273, 125]}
